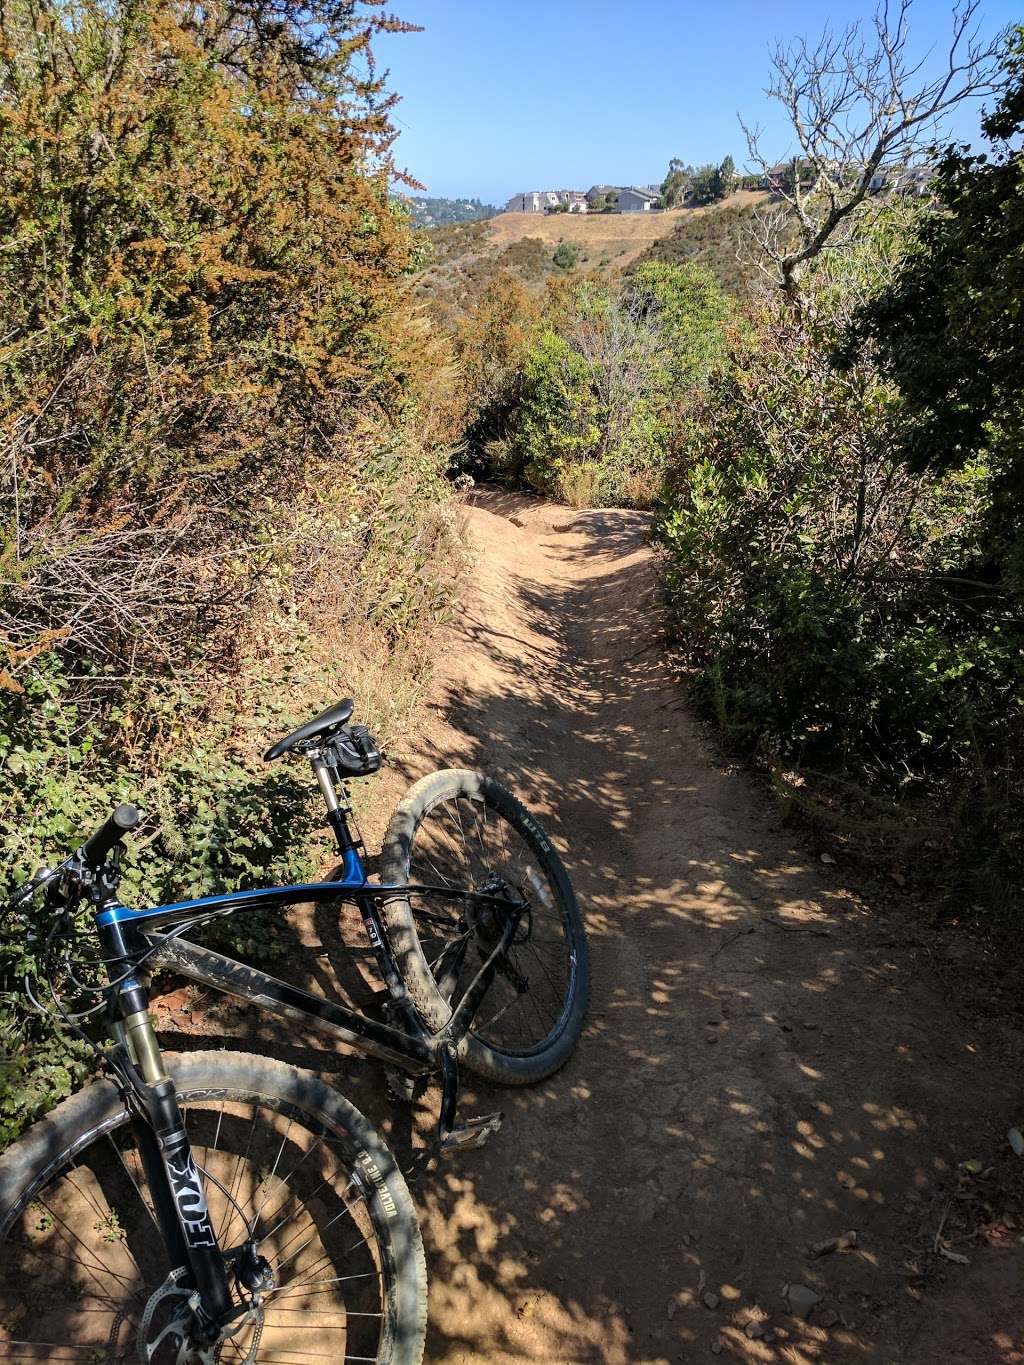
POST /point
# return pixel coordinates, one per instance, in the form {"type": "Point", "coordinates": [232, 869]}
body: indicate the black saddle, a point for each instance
{"type": "Point", "coordinates": [322, 727]}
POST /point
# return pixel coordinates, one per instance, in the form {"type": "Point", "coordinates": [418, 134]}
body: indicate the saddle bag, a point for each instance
{"type": "Point", "coordinates": [354, 752]}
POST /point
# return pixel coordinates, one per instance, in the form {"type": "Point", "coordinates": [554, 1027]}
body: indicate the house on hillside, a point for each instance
{"type": "Point", "coordinates": [914, 180]}
{"type": "Point", "coordinates": [626, 199]}
{"type": "Point", "coordinates": [527, 202]}
{"type": "Point", "coordinates": [635, 200]}
{"type": "Point", "coordinates": [597, 195]}
{"type": "Point", "coordinates": [544, 201]}
{"type": "Point", "coordinates": [783, 176]}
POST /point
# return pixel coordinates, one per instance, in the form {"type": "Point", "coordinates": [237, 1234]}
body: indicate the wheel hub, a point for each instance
{"type": "Point", "coordinates": [175, 1341]}
{"type": "Point", "coordinates": [487, 919]}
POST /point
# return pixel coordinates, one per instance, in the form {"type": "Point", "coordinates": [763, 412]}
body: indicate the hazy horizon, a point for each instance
{"type": "Point", "coordinates": [497, 100]}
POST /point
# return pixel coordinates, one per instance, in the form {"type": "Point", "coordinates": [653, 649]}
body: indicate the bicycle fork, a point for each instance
{"type": "Point", "coordinates": [171, 1173]}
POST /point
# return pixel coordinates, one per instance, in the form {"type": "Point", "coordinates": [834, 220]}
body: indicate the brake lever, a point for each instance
{"type": "Point", "coordinates": [40, 878]}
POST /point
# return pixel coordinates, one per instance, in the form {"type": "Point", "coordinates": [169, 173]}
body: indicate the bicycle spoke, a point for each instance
{"type": "Point", "coordinates": [465, 842]}
{"type": "Point", "coordinates": [320, 1234]}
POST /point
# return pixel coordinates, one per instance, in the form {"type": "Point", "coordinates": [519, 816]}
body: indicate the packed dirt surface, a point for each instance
{"type": "Point", "coordinates": [766, 1066]}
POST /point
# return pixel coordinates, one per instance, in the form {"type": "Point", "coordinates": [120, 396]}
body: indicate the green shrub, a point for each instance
{"type": "Point", "coordinates": [222, 501]}
{"type": "Point", "coordinates": [809, 571]}
{"type": "Point", "coordinates": [582, 397]}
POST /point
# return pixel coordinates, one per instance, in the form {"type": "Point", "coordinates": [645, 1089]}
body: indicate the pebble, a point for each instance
{"type": "Point", "coordinates": [827, 1319]}
{"type": "Point", "coordinates": [801, 1300]}
{"type": "Point", "coordinates": [711, 1300]}
{"type": "Point", "coordinates": [716, 1348]}
{"type": "Point", "coordinates": [754, 1329]}
{"type": "Point", "coordinates": [845, 1242]}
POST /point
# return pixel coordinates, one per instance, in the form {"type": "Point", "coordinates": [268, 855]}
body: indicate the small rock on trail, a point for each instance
{"type": "Point", "coordinates": [801, 1300]}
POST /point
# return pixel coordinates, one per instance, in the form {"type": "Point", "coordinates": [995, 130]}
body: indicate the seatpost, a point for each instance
{"type": "Point", "coordinates": [325, 777]}
{"type": "Point", "coordinates": [337, 811]}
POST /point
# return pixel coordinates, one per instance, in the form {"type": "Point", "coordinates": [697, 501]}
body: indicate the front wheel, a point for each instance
{"type": "Point", "coordinates": [285, 1161]}
{"type": "Point", "coordinates": [462, 830]}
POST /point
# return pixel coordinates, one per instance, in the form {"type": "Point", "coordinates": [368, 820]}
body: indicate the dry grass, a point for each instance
{"type": "Point", "coordinates": [467, 256]}
{"type": "Point", "coordinates": [618, 237]}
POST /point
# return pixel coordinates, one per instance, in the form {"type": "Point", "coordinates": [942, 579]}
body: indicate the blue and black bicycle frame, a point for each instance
{"type": "Point", "coordinates": [136, 940]}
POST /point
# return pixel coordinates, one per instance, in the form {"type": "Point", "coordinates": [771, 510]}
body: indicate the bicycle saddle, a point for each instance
{"type": "Point", "coordinates": [323, 726]}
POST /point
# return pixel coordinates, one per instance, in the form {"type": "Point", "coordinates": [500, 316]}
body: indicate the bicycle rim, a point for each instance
{"type": "Point", "coordinates": [84, 1271]}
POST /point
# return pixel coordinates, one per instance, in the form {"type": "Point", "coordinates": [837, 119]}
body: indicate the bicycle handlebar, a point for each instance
{"type": "Point", "coordinates": [98, 845]}
{"type": "Point", "coordinates": [92, 854]}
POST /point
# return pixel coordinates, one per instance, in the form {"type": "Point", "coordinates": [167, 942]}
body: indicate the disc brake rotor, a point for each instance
{"type": "Point", "coordinates": [179, 1327]}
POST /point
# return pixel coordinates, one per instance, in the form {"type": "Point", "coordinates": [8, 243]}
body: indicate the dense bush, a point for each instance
{"type": "Point", "coordinates": [950, 330]}
{"type": "Point", "coordinates": [582, 394]}
{"type": "Point", "coordinates": [719, 240]}
{"type": "Point", "coordinates": [840, 558]}
{"type": "Point", "coordinates": [222, 500]}
{"type": "Point", "coordinates": [809, 568]}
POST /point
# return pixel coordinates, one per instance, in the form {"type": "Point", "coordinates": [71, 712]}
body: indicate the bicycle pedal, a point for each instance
{"type": "Point", "coordinates": [471, 1134]}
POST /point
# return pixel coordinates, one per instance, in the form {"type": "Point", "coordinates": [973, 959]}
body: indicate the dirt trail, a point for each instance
{"type": "Point", "coordinates": [763, 1068]}
{"type": "Point", "coordinates": [765, 1065]}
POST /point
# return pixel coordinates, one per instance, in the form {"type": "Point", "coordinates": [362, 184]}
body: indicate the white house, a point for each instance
{"type": "Point", "coordinates": [597, 195]}
{"type": "Point", "coordinates": [915, 179]}
{"type": "Point", "coordinates": [903, 179]}
{"type": "Point", "coordinates": [542, 201]}
{"type": "Point", "coordinates": [629, 199]}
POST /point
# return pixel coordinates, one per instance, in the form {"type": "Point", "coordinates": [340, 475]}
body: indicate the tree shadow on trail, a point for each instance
{"type": "Point", "coordinates": [761, 1070]}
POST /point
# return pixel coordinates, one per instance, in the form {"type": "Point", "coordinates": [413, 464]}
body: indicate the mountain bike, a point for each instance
{"type": "Point", "coordinates": [224, 1207]}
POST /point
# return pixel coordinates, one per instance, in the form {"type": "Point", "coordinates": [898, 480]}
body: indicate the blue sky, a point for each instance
{"type": "Point", "coordinates": [500, 96]}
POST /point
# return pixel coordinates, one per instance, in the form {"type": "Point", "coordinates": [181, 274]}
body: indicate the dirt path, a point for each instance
{"type": "Point", "coordinates": [763, 1069]}
{"type": "Point", "coordinates": [765, 1065]}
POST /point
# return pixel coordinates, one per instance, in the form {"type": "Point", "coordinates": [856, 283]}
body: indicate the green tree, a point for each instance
{"type": "Point", "coordinates": [608, 380]}
{"type": "Point", "coordinates": [692, 316]}
{"type": "Point", "coordinates": [725, 178]}
{"type": "Point", "coordinates": [950, 330]}
{"type": "Point", "coordinates": [705, 185]}
{"type": "Point", "coordinates": [566, 255]}
{"type": "Point", "coordinates": [676, 184]}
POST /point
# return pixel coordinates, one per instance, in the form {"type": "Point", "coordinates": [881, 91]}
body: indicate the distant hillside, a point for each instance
{"type": "Point", "coordinates": [467, 255]}
{"type": "Point", "coordinates": [713, 237]}
{"type": "Point", "coordinates": [428, 212]}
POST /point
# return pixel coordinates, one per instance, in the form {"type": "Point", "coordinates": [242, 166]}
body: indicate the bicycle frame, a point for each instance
{"type": "Point", "coordinates": [133, 938]}
{"type": "Point", "coordinates": [130, 934]}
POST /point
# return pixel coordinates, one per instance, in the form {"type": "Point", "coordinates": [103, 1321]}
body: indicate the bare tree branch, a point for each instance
{"type": "Point", "coordinates": [861, 109]}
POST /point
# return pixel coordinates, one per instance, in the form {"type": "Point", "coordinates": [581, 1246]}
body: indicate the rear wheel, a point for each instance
{"type": "Point", "coordinates": [462, 830]}
{"type": "Point", "coordinates": [286, 1163]}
